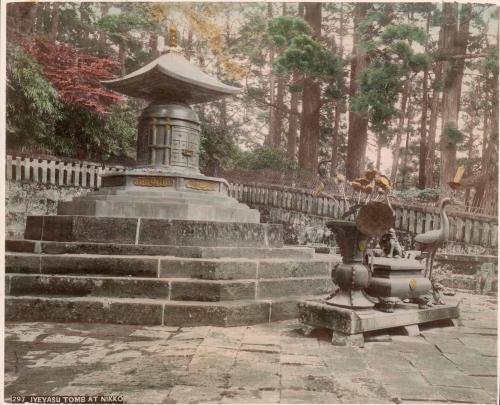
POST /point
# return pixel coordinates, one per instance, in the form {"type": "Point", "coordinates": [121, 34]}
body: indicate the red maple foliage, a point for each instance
{"type": "Point", "coordinates": [75, 74]}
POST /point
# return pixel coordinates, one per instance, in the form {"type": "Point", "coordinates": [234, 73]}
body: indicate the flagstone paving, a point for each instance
{"type": "Point", "coordinates": [271, 363]}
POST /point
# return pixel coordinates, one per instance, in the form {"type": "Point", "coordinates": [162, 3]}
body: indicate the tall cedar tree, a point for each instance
{"type": "Point", "coordinates": [454, 43]}
{"type": "Point", "coordinates": [358, 123]}
{"type": "Point", "coordinates": [311, 102]}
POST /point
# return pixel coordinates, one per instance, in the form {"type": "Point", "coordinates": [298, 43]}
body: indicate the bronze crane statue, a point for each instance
{"type": "Point", "coordinates": [431, 241]}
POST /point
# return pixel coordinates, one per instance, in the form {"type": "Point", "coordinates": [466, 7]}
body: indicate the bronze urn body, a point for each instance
{"type": "Point", "coordinates": [352, 276]}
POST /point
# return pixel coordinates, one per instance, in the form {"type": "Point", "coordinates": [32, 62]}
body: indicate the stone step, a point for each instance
{"type": "Point", "coordinates": [152, 231]}
{"type": "Point", "coordinates": [148, 311]}
{"type": "Point", "coordinates": [180, 289]}
{"type": "Point", "coordinates": [30, 246]}
{"type": "Point", "coordinates": [214, 199]}
{"type": "Point", "coordinates": [166, 267]}
{"type": "Point", "coordinates": [80, 286]}
{"type": "Point", "coordinates": [194, 210]}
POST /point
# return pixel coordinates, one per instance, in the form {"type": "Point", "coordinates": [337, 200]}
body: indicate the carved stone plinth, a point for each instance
{"type": "Point", "coordinates": [348, 325]}
{"type": "Point", "coordinates": [148, 193]}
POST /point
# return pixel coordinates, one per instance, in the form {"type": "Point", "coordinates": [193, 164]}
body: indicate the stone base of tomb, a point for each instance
{"type": "Point", "coordinates": [349, 326]}
{"type": "Point", "coordinates": [149, 271]}
{"type": "Point", "coordinates": [161, 193]}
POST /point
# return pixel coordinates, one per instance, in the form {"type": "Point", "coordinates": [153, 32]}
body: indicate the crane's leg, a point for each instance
{"type": "Point", "coordinates": [427, 262]}
{"type": "Point", "coordinates": [432, 253]}
{"type": "Point", "coordinates": [436, 287]}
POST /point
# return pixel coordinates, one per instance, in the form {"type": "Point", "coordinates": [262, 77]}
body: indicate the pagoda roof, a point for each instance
{"type": "Point", "coordinates": [171, 78]}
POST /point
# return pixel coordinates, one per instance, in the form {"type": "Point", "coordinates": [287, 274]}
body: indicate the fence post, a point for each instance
{"type": "Point", "coordinates": [494, 235]}
{"type": "Point", "coordinates": [62, 168]}
{"type": "Point", "coordinates": [52, 166]}
{"type": "Point", "coordinates": [459, 233]}
{"type": "Point", "coordinates": [8, 167]}
{"type": "Point", "coordinates": [84, 174]}
{"type": "Point", "coordinates": [485, 237]}
{"type": "Point", "coordinates": [44, 166]}
{"type": "Point", "coordinates": [35, 167]}
{"type": "Point", "coordinates": [99, 174]}
{"type": "Point", "coordinates": [26, 169]}
{"type": "Point", "coordinates": [468, 230]}
{"type": "Point", "coordinates": [19, 166]}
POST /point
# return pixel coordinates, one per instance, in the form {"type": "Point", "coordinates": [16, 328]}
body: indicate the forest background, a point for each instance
{"type": "Point", "coordinates": [410, 89]}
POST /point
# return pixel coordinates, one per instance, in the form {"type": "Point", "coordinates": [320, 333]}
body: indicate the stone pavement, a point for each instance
{"type": "Point", "coordinates": [271, 363]}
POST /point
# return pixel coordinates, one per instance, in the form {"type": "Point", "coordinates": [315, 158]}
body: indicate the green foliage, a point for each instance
{"type": "Point", "coordinates": [117, 25]}
{"type": "Point", "coordinates": [491, 62]}
{"type": "Point", "coordinates": [398, 32]}
{"type": "Point", "coordinates": [419, 62]}
{"type": "Point", "coordinates": [426, 194]}
{"type": "Point", "coordinates": [379, 87]}
{"type": "Point", "coordinates": [253, 40]}
{"type": "Point", "coordinates": [86, 134]}
{"type": "Point", "coordinates": [306, 55]}
{"type": "Point", "coordinates": [374, 19]}
{"type": "Point", "coordinates": [38, 119]}
{"type": "Point", "coordinates": [454, 135]}
{"type": "Point", "coordinates": [217, 146]}
{"type": "Point", "coordinates": [393, 60]}
{"type": "Point", "coordinates": [33, 105]}
{"type": "Point", "coordinates": [282, 30]}
{"type": "Point", "coordinates": [263, 158]}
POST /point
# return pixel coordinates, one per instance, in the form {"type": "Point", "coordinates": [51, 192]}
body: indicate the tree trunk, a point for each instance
{"type": "Point", "coordinates": [399, 134]}
{"type": "Point", "coordinates": [431, 138]}
{"type": "Point", "coordinates": [423, 134]}
{"type": "Point", "coordinates": [189, 45]}
{"type": "Point", "coordinates": [280, 105]}
{"type": "Point", "coordinates": [455, 40]}
{"type": "Point", "coordinates": [379, 152]}
{"type": "Point", "coordinates": [54, 25]}
{"type": "Point", "coordinates": [269, 141]}
{"type": "Point", "coordinates": [358, 124]}
{"type": "Point", "coordinates": [335, 140]}
{"type": "Point", "coordinates": [338, 103]}
{"type": "Point", "coordinates": [423, 120]}
{"type": "Point", "coordinates": [293, 123]}
{"type": "Point", "coordinates": [311, 102]}
{"type": "Point", "coordinates": [277, 125]}
{"type": "Point", "coordinates": [405, 158]}
{"type": "Point", "coordinates": [153, 44]}
{"type": "Point", "coordinates": [485, 132]}
{"type": "Point", "coordinates": [468, 170]}
{"type": "Point", "coordinates": [121, 58]}
{"type": "Point", "coordinates": [486, 195]}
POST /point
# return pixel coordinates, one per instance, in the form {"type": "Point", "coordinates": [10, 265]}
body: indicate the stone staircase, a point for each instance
{"type": "Point", "coordinates": [76, 277]}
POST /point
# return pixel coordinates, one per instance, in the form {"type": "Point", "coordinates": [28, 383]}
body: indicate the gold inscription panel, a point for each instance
{"type": "Point", "coordinates": [152, 181]}
{"type": "Point", "coordinates": [202, 185]}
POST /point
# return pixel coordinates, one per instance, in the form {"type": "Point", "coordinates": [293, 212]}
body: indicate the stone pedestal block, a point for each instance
{"type": "Point", "coordinates": [149, 231]}
{"type": "Point", "coordinates": [348, 325]}
{"type": "Point", "coordinates": [161, 193]}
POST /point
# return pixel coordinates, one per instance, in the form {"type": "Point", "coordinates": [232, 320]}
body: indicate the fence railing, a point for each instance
{"type": "Point", "coordinates": [58, 172]}
{"type": "Point", "coordinates": [464, 227]}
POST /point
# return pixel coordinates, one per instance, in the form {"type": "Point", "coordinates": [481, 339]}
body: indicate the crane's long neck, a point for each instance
{"type": "Point", "coordinates": [445, 225]}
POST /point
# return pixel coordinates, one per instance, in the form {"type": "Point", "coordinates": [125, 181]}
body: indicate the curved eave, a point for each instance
{"type": "Point", "coordinates": [164, 78]}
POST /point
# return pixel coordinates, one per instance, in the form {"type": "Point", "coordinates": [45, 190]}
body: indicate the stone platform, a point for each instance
{"type": "Point", "coordinates": [151, 231]}
{"type": "Point", "coordinates": [188, 274]}
{"type": "Point", "coordinates": [183, 195]}
{"type": "Point", "coordinates": [349, 326]}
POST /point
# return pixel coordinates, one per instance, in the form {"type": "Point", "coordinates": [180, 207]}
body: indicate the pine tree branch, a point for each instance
{"type": "Point", "coordinates": [444, 57]}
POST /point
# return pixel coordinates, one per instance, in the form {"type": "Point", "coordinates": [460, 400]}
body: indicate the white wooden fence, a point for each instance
{"type": "Point", "coordinates": [465, 227]}
{"type": "Point", "coordinates": [58, 172]}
